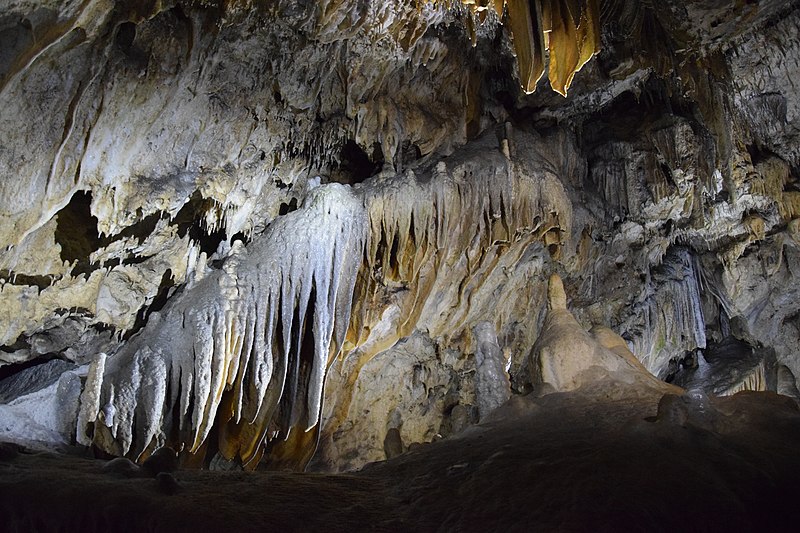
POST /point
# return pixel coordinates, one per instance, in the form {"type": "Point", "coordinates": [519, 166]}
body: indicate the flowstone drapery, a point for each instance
{"type": "Point", "coordinates": [243, 329]}
{"type": "Point", "coordinates": [246, 346]}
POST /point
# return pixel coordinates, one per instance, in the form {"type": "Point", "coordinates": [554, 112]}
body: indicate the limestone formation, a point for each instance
{"type": "Point", "coordinates": [492, 386]}
{"type": "Point", "coordinates": [260, 232]}
{"type": "Point", "coordinates": [566, 357]}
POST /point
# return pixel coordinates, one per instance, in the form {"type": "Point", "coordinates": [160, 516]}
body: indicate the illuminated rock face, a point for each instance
{"type": "Point", "coordinates": [266, 231]}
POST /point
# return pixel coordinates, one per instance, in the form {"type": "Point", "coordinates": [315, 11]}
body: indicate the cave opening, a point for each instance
{"type": "Point", "coordinates": [76, 232]}
{"type": "Point", "coordinates": [126, 33]}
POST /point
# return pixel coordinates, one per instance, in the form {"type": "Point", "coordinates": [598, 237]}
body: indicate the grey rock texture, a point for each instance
{"type": "Point", "coordinates": [32, 379]}
{"type": "Point", "coordinates": [492, 385]}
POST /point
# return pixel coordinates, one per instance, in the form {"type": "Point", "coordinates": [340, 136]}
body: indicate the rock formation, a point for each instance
{"type": "Point", "coordinates": [271, 233]}
{"type": "Point", "coordinates": [566, 357]}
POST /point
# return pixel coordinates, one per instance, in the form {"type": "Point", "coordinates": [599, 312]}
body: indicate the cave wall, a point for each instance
{"type": "Point", "coordinates": [173, 172]}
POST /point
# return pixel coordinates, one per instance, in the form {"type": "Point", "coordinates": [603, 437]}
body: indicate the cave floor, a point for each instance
{"type": "Point", "coordinates": [605, 459]}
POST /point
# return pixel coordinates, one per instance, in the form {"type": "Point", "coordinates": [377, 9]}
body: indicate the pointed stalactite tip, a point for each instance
{"type": "Point", "coordinates": [569, 29]}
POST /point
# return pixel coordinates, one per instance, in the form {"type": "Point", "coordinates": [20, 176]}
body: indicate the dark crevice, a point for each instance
{"type": "Point", "coordinates": [9, 370]}
{"type": "Point", "coordinates": [76, 231]}
{"type": "Point", "coordinates": [241, 236]}
{"type": "Point", "coordinates": [130, 260]}
{"type": "Point", "coordinates": [209, 242]}
{"type": "Point", "coordinates": [304, 361]}
{"type": "Point", "coordinates": [126, 33]}
{"type": "Point", "coordinates": [20, 344]}
{"type": "Point", "coordinates": [409, 153]}
{"type": "Point", "coordinates": [288, 208]}
{"type": "Point", "coordinates": [78, 237]}
{"type": "Point", "coordinates": [394, 259]}
{"type": "Point", "coordinates": [628, 116]}
{"type": "Point", "coordinates": [356, 165]}
{"type": "Point", "coordinates": [139, 230]}
{"type": "Point", "coordinates": [15, 278]}
{"type": "Point", "coordinates": [73, 311]}
{"type": "Point", "coordinates": [14, 40]}
{"type": "Point", "coordinates": [190, 220]}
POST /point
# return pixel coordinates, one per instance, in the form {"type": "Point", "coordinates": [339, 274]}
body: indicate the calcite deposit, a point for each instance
{"type": "Point", "coordinates": [314, 234]}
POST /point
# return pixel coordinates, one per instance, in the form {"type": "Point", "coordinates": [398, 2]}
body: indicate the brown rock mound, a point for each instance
{"type": "Point", "coordinates": [566, 357]}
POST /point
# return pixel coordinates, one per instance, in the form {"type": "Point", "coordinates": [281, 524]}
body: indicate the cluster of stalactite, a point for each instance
{"type": "Point", "coordinates": [568, 29]}
{"type": "Point", "coordinates": [245, 346]}
{"type": "Point", "coordinates": [238, 355]}
{"type": "Point", "coordinates": [243, 353]}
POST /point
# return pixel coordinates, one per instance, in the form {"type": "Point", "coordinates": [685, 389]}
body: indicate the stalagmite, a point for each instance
{"type": "Point", "coordinates": [565, 357]}
{"type": "Point", "coordinates": [90, 398]}
{"type": "Point", "coordinates": [492, 385]}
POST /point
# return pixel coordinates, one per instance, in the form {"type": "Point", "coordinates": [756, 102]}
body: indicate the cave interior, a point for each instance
{"type": "Point", "coordinates": [432, 265]}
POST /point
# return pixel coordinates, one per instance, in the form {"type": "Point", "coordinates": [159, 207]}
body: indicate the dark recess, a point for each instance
{"type": "Point", "coordinates": [76, 231]}
{"type": "Point", "coordinates": [288, 208]}
{"type": "Point", "coordinates": [409, 153]}
{"type": "Point", "coordinates": [241, 236]}
{"type": "Point", "coordinates": [356, 165]}
{"type": "Point", "coordinates": [14, 39]}
{"type": "Point", "coordinates": [190, 220]}
{"type": "Point", "coordinates": [126, 33]}
{"type": "Point", "coordinates": [294, 403]}
{"type": "Point", "coordinates": [160, 300]}
{"type": "Point", "coordinates": [15, 278]}
{"type": "Point", "coordinates": [9, 370]}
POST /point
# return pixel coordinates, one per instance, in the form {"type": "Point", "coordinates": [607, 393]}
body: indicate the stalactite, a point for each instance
{"type": "Point", "coordinates": [227, 343]}
{"type": "Point", "coordinates": [436, 241]}
{"type": "Point", "coordinates": [232, 351]}
{"type": "Point", "coordinates": [239, 332]}
{"type": "Point", "coordinates": [417, 226]}
{"type": "Point", "coordinates": [569, 29]}
{"type": "Point", "coordinates": [529, 45]}
{"type": "Point", "coordinates": [755, 380]}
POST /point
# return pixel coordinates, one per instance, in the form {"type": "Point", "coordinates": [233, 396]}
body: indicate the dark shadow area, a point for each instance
{"type": "Point", "coordinates": [610, 459]}
{"type": "Point", "coordinates": [158, 303]}
{"type": "Point", "coordinates": [190, 219]}
{"type": "Point", "coordinates": [76, 230]}
{"type": "Point", "coordinates": [356, 165]}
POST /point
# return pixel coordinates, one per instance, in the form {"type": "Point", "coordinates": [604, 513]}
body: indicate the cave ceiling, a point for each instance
{"type": "Point", "coordinates": [270, 230]}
